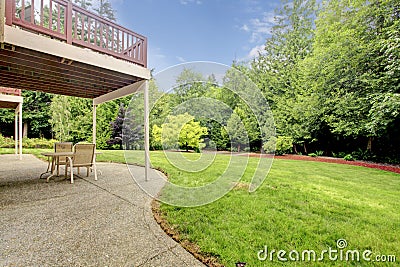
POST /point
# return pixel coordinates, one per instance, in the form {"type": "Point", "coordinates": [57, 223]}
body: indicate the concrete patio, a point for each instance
{"type": "Point", "coordinates": [90, 223]}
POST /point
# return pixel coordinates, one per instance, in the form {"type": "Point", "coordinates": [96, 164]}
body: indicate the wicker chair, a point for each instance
{"type": "Point", "coordinates": [83, 157]}
{"type": "Point", "coordinates": [62, 147]}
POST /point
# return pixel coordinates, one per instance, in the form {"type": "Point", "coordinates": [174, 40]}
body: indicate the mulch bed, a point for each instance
{"type": "Point", "coordinates": [384, 167]}
{"type": "Point", "coordinates": [379, 166]}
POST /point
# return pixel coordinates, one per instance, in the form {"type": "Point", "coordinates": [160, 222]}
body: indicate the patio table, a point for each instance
{"type": "Point", "coordinates": [56, 159]}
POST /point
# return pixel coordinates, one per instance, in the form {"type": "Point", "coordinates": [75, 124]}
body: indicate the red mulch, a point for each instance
{"type": "Point", "coordinates": [384, 167]}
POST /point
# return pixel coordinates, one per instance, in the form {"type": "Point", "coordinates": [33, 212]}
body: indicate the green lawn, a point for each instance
{"type": "Point", "coordinates": [301, 206]}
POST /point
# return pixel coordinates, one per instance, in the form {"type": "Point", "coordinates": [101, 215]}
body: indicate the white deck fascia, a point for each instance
{"type": "Point", "coordinates": [22, 38]}
{"type": "Point", "coordinates": [11, 98]}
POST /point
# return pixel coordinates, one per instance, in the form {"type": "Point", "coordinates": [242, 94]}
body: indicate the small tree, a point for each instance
{"type": "Point", "coordinates": [155, 141]}
{"type": "Point", "coordinates": [279, 145]}
{"type": "Point", "coordinates": [181, 131]}
{"type": "Point", "coordinates": [237, 132]}
{"type": "Point", "coordinates": [116, 125]}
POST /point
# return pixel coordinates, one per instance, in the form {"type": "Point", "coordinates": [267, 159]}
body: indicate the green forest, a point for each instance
{"type": "Point", "coordinates": [330, 72]}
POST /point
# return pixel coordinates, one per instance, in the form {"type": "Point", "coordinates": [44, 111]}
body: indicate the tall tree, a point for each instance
{"type": "Point", "coordinates": [351, 67]}
{"type": "Point", "coordinates": [60, 120]}
{"type": "Point", "coordinates": [71, 118]}
{"type": "Point", "coordinates": [239, 88]}
{"type": "Point", "coordinates": [104, 9]}
{"type": "Point", "coordinates": [291, 41]}
{"type": "Point", "coordinates": [237, 132]}
{"type": "Point", "coordinates": [106, 114]}
{"type": "Point", "coordinates": [276, 70]}
{"type": "Point", "coordinates": [86, 4]}
{"type": "Point", "coordinates": [35, 114]}
{"type": "Point", "coordinates": [189, 85]}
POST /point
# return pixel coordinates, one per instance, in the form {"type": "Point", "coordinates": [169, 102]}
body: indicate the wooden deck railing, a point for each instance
{"type": "Point", "coordinates": [76, 26]}
{"type": "Point", "coordinates": [10, 91]}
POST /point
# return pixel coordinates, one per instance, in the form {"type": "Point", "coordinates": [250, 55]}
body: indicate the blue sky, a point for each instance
{"type": "Point", "coordinates": [181, 31]}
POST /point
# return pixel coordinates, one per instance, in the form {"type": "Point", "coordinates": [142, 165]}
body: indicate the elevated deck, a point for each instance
{"type": "Point", "coordinates": [10, 98]}
{"type": "Point", "coordinates": [57, 47]}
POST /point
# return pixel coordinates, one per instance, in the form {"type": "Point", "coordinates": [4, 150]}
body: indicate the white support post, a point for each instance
{"type": "Point", "coordinates": [146, 131]}
{"type": "Point", "coordinates": [2, 19]}
{"type": "Point", "coordinates": [94, 123]}
{"type": "Point", "coordinates": [20, 130]}
{"type": "Point", "coordinates": [94, 138]}
{"type": "Point", "coordinates": [16, 130]}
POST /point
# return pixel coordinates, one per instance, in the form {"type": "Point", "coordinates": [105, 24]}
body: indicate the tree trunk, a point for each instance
{"type": "Point", "coordinates": [25, 130]}
{"type": "Point", "coordinates": [305, 148]}
{"type": "Point", "coordinates": [369, 146]}
{"type": "Point", "coordinates": [295, 149]}
{"type": "Point", "coordinates": [238, 148]}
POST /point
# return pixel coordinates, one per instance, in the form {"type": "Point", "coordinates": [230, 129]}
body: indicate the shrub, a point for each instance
{"type": "Point", "coordinates": [316, 154]}
{"type": "Point", "coordinates": [6, 142]}
{"type": "Point", "coordinates": [37, 143]}
{"type": "Point", "coordinates": [281, 145]}
{"type": "Point", "coordinates": [284, 144]}
{"type": "Point", "coordinates": [233, 149]}
{"type": "Point", "coordinates": [348, 157]}
{"type": "Point", "coordinates": [363, 155]}
{"type": "Point", "coordinates": [391, 160]}
{"type": "Point", "coordinates": [339, 155]}
{"type": "Point", "coordinates": [270, 146]}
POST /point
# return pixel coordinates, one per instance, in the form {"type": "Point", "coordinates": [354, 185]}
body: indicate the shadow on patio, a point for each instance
{"type": "Point", "coordinates": [103, 223]}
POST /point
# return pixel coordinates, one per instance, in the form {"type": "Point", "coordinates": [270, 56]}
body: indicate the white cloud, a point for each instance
{"type": "Point", "coordinates": [245, 28]}
{"type": "Point", "coordinates": [254, 52]}
{"type": "Point", "coordinates": [181, 59]}
{"type": "Point", "coordinates": [260, 28]}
